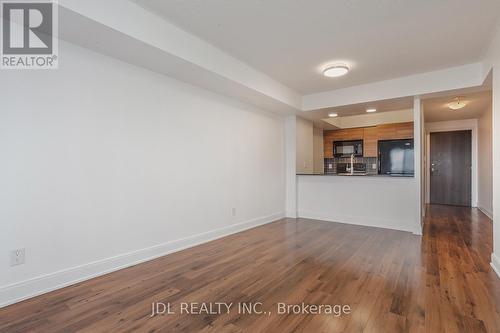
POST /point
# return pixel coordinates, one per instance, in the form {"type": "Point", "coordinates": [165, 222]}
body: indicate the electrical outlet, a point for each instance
{"type": "Point", "coordinates": [17, 257]}
{"type": "Point", "coordinates": [374, 166]}
{"type": "Point", "coordinates": [233, 211]}
{"type": "Point", "coordinates": [330, 166]}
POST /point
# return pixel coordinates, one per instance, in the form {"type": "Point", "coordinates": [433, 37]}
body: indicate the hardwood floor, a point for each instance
{"type": "Point", "coordinates": [393, 282]}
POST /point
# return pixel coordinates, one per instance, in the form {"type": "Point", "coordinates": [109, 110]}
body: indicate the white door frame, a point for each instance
{"type": "Point", "coordinates": [450, 126]}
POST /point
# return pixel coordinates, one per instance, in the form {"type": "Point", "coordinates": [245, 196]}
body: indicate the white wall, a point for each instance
{"type": "Point", "coordinates": [384, 202]}
{"type": "Point", "coordinates": [319, 152]}
{"type": "Point", "coordinates": [305, 146]}
{"type": "Point", "coordinates": [104, 164]}
{"type": "Point", "coordinates": [422, 163]}
{"type": "Point", "coordinates": [485, 163]}
{"type": "Point", "coordinates": [492, 61]}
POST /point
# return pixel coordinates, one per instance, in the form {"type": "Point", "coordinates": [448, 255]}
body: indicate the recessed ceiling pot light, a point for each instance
{"type": "Point", "coordinates": [335, 71]}
{"type": "Point", "coordinates": [371, 110]}
{"type": "Point", "coordinates": [332, 115]}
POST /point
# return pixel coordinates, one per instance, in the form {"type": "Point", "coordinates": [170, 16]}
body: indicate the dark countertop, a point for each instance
{"type": "Point", "coordinates": [355, 175]}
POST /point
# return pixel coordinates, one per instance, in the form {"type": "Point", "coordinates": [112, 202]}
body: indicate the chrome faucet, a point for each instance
{"type": "Point", "coordinates": [352, 164]}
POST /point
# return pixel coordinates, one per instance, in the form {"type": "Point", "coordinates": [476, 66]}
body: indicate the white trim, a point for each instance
{"type": "Point", "coordinates": [42, 284]}
{"type": "Point", "coordinates": [449, 126]}
{"type": "Point", "coordinates": [495, 264]}
{"type": "Point", "coordinates": [360, 220]}
{"type": "Point", "coordinates": [291, 166]}
{"type": "Point", "coordinates": [427, 168]}
{"type": "Point", "coordinates": [418, 116]}
{"type": "Point", "coordinates": [485, 211]}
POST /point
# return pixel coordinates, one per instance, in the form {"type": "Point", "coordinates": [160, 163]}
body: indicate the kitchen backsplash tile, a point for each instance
{"type": "Point", "coordinates": [331, 164]}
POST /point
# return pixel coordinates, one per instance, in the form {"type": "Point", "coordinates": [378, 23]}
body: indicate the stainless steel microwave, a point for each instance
{"type": "Point", "coordinates": [348, 148]}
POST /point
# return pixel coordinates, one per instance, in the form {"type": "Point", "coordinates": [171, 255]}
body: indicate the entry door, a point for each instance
{"type": "Point", "coordinates": [451, 168]}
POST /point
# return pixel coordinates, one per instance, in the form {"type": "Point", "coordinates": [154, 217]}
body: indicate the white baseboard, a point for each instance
{"type": "Point", "coordinates": [42, 284]}
{"type": "Point", "coordinates": [495, 264]}
{"type": "Point", "coordinates": [486, 212]}
{"type": "Point", "coordinates": [364, 221]}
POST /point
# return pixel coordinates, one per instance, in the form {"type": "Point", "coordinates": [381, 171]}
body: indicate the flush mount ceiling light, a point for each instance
{"type": "Point", "coordinates": [458, 103]}
{"type": "Point", "coordinates": [332, 115]}
{"type": "Point", "coordinates": [371, 110]}
{"type": "Point", "coordinates": [336, 71]}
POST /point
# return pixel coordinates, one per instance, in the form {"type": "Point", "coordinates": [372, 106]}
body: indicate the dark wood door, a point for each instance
{"type": "Point", "coordinates": [451, 163]}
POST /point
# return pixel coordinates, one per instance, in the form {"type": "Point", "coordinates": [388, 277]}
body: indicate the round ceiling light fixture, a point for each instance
{"type": "Point", "coordinates": [458, 103]}
{"type": "Point", "coordinates": [332, 115]}
{"type": "Point", "coordinates": [371, 110]}
{"type": "Point", "coordinates": [336, 71]}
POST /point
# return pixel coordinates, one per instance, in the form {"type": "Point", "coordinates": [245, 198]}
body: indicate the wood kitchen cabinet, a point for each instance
{"type": "Point", "coordinates": [404, 131]}
{"type": "Point", "coordinates": [370, 141]}
{"type": "Point", "coordinates": [369, 135]}
{"type": "Point", "coordinates": [395, 131]}
{"type": "Point", "coordinates": [340, 135]}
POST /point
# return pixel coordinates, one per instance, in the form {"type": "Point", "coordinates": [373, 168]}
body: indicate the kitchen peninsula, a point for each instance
{"type": "Point", "coordinates": [367, 179]}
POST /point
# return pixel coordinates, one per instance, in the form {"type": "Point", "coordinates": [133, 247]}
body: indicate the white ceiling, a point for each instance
{"type": "Point", "coordinates": [479, 100]}
{"type": "Point", "coordinates": [436, 109]}
{"type": "Point", "coordinates": [395, 104]}
{"type": "Point", "coordinates": [291, 39]}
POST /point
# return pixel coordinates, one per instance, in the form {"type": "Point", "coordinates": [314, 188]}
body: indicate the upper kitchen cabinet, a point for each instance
{"type": "Point", "coordinates": [369, 135]}
{"type": "Point", "coordinates": [349, 134]}
{"type": "Point", "coordinates": [340, 135]}
{"type": "Point", "coordinates": [395, 131]}
{"type": "Point", "coordinates": [370, 141]}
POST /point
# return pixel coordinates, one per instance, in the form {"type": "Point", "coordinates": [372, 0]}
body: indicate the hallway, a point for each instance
{"type": "Point", "coordinates": [462, 291]}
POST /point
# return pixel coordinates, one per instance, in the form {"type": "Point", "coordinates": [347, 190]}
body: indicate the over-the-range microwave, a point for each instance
{"type": "Point", "coordinates": [348, 148]}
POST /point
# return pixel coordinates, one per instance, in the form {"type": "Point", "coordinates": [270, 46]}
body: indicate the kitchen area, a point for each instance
{"type": "Point", "coordinates": [361, 168]}
{"type": "Point", "coordinates": [385, 149]}
{"type": "Point", "coordinates": [367, 151]}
